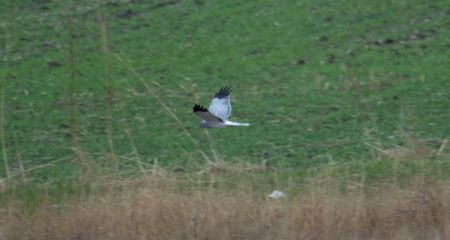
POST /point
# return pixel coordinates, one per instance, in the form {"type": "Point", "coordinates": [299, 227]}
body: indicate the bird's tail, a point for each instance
{"type": "Point", "coordinates": [235, 124]}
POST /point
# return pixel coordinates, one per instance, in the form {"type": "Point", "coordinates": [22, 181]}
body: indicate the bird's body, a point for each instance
{"type": "Point", "coordinates": [216, 116]}
{"type": "Point", "coordinates": [206, 124]}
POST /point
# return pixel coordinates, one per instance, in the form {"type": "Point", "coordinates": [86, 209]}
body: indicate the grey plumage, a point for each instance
{"type": "Point", "coordinates": [218, 111]}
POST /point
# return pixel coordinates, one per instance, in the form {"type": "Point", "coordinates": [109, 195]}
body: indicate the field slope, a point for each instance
{"type": "Point", "coordinates": [349, 103]}
{"type": "Point", "coordinates": [108, 86]}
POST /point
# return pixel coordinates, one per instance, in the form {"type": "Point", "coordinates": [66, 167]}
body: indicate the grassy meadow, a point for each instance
{"type": "Point", "coordinates": [349, 103]}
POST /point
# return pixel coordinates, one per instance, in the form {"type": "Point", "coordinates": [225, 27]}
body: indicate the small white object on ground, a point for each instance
{"type": "Point", "coordinates": [277, 195]}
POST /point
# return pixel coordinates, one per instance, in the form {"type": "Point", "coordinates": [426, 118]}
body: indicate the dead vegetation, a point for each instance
{"type": "Point", "coordinates": [154, 210]}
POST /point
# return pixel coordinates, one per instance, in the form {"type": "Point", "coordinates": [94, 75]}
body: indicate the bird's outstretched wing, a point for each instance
{"type": "Point", "coordinates": [221, 104]}
{"type": "Point", "coordinates": [205, 115]}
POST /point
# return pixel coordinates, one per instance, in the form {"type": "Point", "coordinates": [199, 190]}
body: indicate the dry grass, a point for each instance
{"type": "Point", "coordinates": [155, 210]}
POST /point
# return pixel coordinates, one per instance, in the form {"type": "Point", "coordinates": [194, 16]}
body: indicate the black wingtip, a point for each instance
{"type": "Point", "coordinates": [223, 92]}
{"type": "Point", "coordinates": [199, 108]}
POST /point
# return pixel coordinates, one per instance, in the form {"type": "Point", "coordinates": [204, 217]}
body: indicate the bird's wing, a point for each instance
{"type": "Point", "coordinates": [221, 104]}
{"type": "Point", "coordinates": [204, 114]}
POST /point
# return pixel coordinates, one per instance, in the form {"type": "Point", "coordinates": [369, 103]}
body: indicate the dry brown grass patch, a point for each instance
{"type": "Point", "coordinates": [155, 211]}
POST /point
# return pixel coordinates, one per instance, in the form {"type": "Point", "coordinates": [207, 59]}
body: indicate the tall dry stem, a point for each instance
{"type": "Point", "coordinates": [212, 146]}
{"type": "Point", "coordinates": [19, 161]}
{"type": "Point", "coordinates": [71, 58]}
{"type": "Point", "coordinates": [108, 90]}
{"type": "Point", "coordinates": [365, 108]}
{"type": "Point", "coordinates": [163, 104]}
{"type": "Point", "coordinates": [72, 93]}
{"type": "Point", "coordinates": [2, 101]}
{"type": "Point", "coordinates": [133, 145]}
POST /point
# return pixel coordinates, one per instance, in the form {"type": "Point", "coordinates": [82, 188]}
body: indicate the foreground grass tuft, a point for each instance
{"type": "Point", "coordinates": [153, 209]}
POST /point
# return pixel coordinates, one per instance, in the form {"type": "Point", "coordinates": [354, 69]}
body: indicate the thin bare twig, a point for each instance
{"type": "Point", "coordinates": [133, 146]}
{"type": "Point", "coordinates": [71, 58]}
{"type": "Point", "coordinates": [108, 91]}
{"type": "Point", "coordinates": [375, 147]}
{"type": "Point", "coordinates": [162, 103]}
{"type": "Point", "coordinates": [212, 146]}
{"type": "Point", "coordinates": [442, 147]}
{"type": "Point", "coordinates": [2, 102]}
{"type": "Point", "coordinates": [19, 160]}
{"type": "Point", "coordinates": [49, 164]}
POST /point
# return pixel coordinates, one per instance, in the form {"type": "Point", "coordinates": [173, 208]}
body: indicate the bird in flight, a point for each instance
{"type": "Point", "coordinates": [216, 116]}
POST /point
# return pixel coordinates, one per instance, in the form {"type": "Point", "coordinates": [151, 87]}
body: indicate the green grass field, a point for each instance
{"type": "Point", "coordinates": [349, 103]}
{"type": "Point", "coordinates": [105, 85]}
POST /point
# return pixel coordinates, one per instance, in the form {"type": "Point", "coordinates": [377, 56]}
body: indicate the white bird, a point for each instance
{"type": "Point", "coordinates": [218, 112]}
